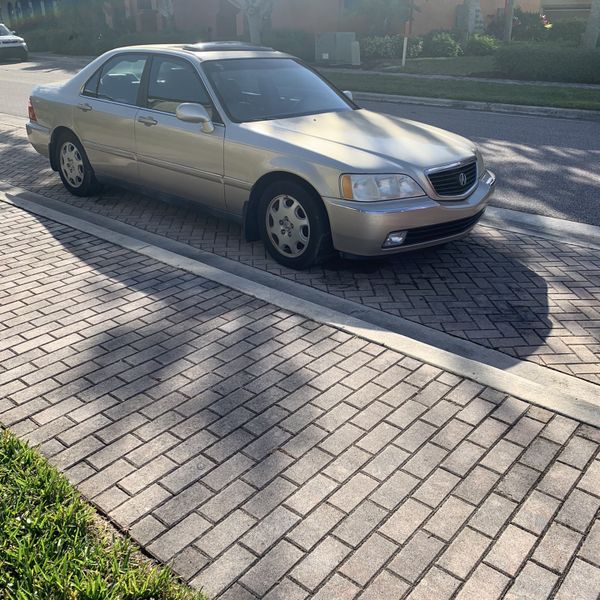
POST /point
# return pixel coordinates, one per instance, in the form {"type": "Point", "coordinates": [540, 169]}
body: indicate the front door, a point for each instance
{"type": "Point", "coordinates": [175, 157]}
{"type": "Point", "coordinates": [104, 116]}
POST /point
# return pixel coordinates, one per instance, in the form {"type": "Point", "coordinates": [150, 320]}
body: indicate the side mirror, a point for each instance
{"type": "Point", "coordinates": [189, 112]}
{"type": "Point", "coordinates": [349, 95]}
{"type": "Point", "coordinates": [14, 32]}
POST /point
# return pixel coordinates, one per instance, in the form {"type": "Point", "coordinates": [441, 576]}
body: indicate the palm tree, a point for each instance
{"type": "Point", "coordinates": [255, 11]}
{"type": "Point", "coordinates": [592, 31]}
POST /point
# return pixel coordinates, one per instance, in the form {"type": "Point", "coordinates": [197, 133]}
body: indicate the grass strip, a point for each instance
{"type": "Point", "coordinates": [530, 95]}
{"type": "Point", "coordinates": [53, 546]}
{"type": "Point", "coordinates": [465, 66]}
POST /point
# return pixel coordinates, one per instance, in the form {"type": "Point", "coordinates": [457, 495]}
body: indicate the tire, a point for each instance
{"type": "Point", "coordinates": [24, 57]}
{"type": "Point", "coordinates": [294, 225]}
{"type": "Point", "coordinates": [74, 168]}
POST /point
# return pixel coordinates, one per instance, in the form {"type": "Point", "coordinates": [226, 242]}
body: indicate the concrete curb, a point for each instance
{"type": "Point", "coordinates": [541, 386]}
{"type": "Point", "coordinates": [513, 109]}
{"type": "Point", "coordinates": [549, 228]}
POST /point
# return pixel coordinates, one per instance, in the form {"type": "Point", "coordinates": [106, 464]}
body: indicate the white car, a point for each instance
{"type": "Point", "coordinates": [11, 45]}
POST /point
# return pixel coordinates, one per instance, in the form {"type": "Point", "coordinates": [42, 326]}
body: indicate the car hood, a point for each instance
{"type": "Point", "coordinates": [369, 140]}
{"type": "Point", "coordinates": [11, 39]}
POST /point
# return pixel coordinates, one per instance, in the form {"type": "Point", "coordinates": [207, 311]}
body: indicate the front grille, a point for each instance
{"type": "Point", "coordinates": [456, 181]}
{"type": "Point", "coordinates": [421, 235]}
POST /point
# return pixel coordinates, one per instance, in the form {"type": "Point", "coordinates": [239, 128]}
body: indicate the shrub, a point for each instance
{"type": "Point", "coordinates": [543, 62]}
{"type": "Point", "coordinates": [389, 46]}
{"type": "Point", "coordinates": [415, 47]}
{"type": "Point", "coordinates": [441, 43]}
{"type": "Point", "coordinates": [378, 46]}
{"type": "Point", "coordinates": [568, 31]}
{"type": "Point", "coordinates": [481, 45]}
{"type": "Point", "coordinates": [292, 41]}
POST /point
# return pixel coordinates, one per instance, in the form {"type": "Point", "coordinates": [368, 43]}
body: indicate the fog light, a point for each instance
{"type": "Point", "coordinates": [396, 238]}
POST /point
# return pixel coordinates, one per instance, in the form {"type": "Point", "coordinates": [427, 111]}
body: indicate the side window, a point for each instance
{"type": "Point", "coordinates": [120, 79]}
{"type": "Point", "coordinates": [173, 81]}
{"type": "Point", "coordinates": [91, 87]}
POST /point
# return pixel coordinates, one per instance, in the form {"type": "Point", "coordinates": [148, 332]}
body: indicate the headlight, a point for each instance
{"type": "Point", "coordinates": [480, 164]}
{"type": "Point", "coordinates": [368, 188]}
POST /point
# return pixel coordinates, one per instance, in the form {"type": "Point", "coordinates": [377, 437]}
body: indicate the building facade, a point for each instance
{"type": "Point", "coordinates": [567, 9]}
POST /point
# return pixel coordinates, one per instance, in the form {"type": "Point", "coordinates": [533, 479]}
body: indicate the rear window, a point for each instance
{"type": "Point", "coordinates": [118, 80]}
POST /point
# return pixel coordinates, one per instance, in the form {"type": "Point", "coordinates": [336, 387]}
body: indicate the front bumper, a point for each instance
{"type": "Point", "coordinates": [39, 137]}
{"type": "Point", "coordinates": [13, 51]}
{"type": "Point", "coordinates": [361, 228]}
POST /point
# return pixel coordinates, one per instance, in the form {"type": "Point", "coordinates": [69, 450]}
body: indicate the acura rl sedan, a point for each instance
{"type": "Point", "coordinates": [258, 136]}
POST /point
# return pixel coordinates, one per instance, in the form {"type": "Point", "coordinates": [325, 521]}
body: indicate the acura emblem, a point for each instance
{"type": "Point", "coordinates": [462, 179]}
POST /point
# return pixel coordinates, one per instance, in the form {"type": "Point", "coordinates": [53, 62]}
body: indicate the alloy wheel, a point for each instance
{"type": "Point", "coordinates": [288, 226]}
{"type": "Point", "coordinates": [71, 164]}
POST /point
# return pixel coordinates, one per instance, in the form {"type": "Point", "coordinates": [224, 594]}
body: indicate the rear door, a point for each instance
{"type": "Point", "coordinates": [175, 157]}
{"type": "Point", "coordinates": [104, 117]}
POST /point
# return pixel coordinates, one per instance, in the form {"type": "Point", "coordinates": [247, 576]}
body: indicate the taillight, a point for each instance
{"type": "Point", "coordinates": [31, 111]}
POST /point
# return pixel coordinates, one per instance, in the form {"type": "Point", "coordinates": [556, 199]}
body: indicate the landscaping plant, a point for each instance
{"type": "Point", "coordinates": [53, 547]}
{"type": "Point", "coordinates": [440, 44]}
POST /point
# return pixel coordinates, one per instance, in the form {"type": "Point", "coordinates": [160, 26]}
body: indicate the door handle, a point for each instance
{"type": "Point", "coordinates": [85, 107]}
{"type": "Point", "coordinates": [148, 121]}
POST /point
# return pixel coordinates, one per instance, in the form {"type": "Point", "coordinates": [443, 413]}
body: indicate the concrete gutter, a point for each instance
{"type": "Point", "coordinates": [496, 107]}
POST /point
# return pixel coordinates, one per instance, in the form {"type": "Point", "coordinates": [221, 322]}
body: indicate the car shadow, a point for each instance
{"type": "Point", "coordinates": [477, 289]}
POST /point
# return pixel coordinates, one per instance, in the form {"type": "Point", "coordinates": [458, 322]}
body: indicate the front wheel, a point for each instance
{"type": "Point", "coordinates": [74, 168]}
{"type": "Point", "coordinates": [294, 225]}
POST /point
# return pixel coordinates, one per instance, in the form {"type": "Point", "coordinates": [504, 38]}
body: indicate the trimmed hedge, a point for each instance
{"type": "Point", "coordinates": [542, 62]}
{"type": "Point", "coordinates": [87, 43]}
{"type": "Point", "coordinates": [292, 41]}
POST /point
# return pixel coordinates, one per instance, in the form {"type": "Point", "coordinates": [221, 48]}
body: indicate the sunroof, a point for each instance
{"type": "Point", "coordinates": [225, 47]}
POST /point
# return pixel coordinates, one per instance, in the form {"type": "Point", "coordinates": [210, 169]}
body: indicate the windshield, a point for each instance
{"type": "Point", "coordinates": [258, 89]}
{"type": "Point", "coordinates": [4, 30]}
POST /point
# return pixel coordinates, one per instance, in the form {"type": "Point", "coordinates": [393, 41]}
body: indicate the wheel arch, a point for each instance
{"type": "Point", "coordinates": [250, 218]}
{"type": "Point", "coordinates": [57, 133]}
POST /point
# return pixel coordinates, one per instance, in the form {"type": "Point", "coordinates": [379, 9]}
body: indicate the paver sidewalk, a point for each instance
{"type": "Point", "coordinates": [267, 456]}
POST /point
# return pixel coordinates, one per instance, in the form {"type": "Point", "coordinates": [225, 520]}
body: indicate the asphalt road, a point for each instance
{"type": "Point", "coordinates": [544, 166]}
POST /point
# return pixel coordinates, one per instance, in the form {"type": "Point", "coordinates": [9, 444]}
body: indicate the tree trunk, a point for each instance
{"type": "Point", "coordinates": [592, 31]}
{"type": "Point", "coordinates": [508, 22]}
{"type": "Point", "coordinates": [255, 26]}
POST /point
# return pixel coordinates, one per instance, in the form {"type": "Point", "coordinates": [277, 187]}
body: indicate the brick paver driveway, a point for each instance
{"type": "Point", "coordinates": [268, 456]}
{"type": "Point", "coordinates": [527, 297]}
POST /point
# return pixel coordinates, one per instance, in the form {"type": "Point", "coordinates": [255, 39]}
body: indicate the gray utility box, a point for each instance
{"type": "Point", "coordinates": [336, 48]}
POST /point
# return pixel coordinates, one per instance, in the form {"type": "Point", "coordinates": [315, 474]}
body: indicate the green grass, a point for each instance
{"type": "Point", "coordinates": [465, 66]}
{"type": "Point", "coordinates": [532, 95]}
{"type": "Point", "coordinates": [54, 547]}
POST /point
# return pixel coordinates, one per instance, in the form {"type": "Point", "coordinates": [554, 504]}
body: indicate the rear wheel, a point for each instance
{"type": "Point", "coordinates": [74, 167]}
{"type": "Point", "coordinates": [294, 225]}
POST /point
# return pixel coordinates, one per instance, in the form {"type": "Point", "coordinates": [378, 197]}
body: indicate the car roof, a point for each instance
{"type": "Point", "coordinates": [212, 50]}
